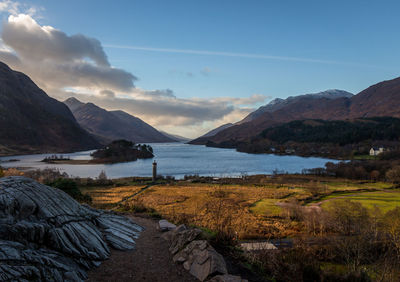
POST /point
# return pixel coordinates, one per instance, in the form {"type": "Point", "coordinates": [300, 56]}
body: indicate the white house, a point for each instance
{"type": "Point", "coordinates": [376, 151]}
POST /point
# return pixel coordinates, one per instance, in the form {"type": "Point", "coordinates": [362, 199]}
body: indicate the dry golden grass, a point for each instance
{"type": "Point", "coordinates": [110, 195]}
{"type": "Point", "coordinates": [244, 211]}
{"type": "Point", "coordinates": [217, 208]}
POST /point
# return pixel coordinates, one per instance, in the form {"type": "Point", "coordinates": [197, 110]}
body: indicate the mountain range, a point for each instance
{"type": "Point", "coordinates": [113, 125]}
{"type": "Point", "coordinates": [31, 121]}
{"type": "Point", "coordinates": [278, 104]}
{"type": "Point", "coordinates": [381, 99]}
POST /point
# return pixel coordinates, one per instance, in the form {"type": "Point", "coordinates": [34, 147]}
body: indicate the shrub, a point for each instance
{"type": "Point", "coordinates": [47, 175]}
{"type": "Point", "coordinates": [393, 174]}
{"type": "Point", "coordinates": [70, 187]}
{"type": "Point", "coordinates": [137, 206]}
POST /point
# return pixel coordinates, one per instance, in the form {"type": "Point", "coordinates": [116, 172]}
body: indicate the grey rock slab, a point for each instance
{"type": "Point", "coordinates": [165, 225]}
{"type": "Point", "coordinates": [181, 239]}
{"type": "Point", "coordinates": [45, 235]}
{"type": "Point", "coordinates": [201, 260]}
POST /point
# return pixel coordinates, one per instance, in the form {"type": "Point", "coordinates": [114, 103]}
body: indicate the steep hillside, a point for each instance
{"type": "Point", "coordinates": [278, 103]}
{"type": "Point", "coordinates": [113, 125]}
{"type": "Point", "coordinates": [304, 107]}
{"type": "Point", "coordinates": [31, 121]}
{"type": "Point", "coordinates": [382, 99]}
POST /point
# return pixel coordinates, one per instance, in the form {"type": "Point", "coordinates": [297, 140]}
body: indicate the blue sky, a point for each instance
{"type": "Point", "coordinates": [363, 34]}
{"type": "Point", "coordinates": [208, 49]}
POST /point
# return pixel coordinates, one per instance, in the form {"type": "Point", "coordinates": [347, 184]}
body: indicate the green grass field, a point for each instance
{"type": "Point", "coordinates": [352, 185]}
{"type": "Point", "coordinates": [383, 200]}
{"type": "Point", "coordinates": [365, 157]}
{"type": "Point", "coordinates": [266, 207]}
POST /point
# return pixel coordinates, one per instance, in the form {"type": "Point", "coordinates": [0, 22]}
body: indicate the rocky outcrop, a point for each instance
{"type": "Point", "coordinates": [197, 256]}
{"type": "Point", "coordinates": [182, 238]}
{"type": "Point", "coordinates": [45, 235]}
{"type": "Point", "coordinates": [201, 260]}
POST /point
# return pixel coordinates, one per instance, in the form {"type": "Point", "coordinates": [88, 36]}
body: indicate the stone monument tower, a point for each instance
{"type": "Point", "coordinates": [154, 171]}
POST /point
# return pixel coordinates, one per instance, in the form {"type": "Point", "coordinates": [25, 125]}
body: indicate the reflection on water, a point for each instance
{"type": "Point", "coordinates": [177, 159]}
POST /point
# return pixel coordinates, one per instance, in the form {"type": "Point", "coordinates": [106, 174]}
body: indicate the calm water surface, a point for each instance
{"type": "Point", "coordinates": [177, 159]}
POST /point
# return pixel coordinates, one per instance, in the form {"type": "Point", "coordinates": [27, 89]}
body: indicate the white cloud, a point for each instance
{"type": "Point", "coordinates": [76, 65]}
{"type": "Point", "coordinates": [48, 43]}
{"type": "Point", "coordinates": [57, 60]}
{"type": "Point", "coordinates": [15, 8]}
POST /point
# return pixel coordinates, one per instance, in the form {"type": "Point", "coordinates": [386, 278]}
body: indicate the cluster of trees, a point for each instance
{"type": "Point", "coordinates": [336, 132]}
{"type": "Point", "coordinates": [336, 139]}
{"type": "Point", "coordinates": [345, 243]}
{"type": "Point", "coordinates": [123, 151]}
{"type": "Point", "coordinates": [55, 158]}
{"type": "Point", "coordinates": [70, 187]}
{"type": "Point", "coordinates": [372, 170]}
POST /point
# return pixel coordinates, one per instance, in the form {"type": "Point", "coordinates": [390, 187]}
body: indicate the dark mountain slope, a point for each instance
{"type": "Point", "coordinates": [31, 121]}
{"type": "Point", "coordinates": [278, 103]}
{"type": "Point", "coordinates": [113, 125]}
{"type": "Point", "coordinates": [307, 107]}
{"type": "Point", "coordinates": [382, 99]}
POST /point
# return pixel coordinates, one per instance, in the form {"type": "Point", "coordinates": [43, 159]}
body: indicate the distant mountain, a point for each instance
{"type": "Point", "coordinates": [382, 99]}
{"type": "Point", "coordinates": [216, 130]}
{"type": "Point", "coordinates": [113, 125]}
{"type": "Point", "coordinates": [31, 121]}
{"type": "Point", "coordinates": [280, 111]}
{"type": "Point", "coordinates": [278, 103]}
{"type": "Point", "coordinates": [175, 137]}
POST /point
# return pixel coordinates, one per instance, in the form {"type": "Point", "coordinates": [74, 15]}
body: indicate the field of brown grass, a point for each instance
{"type": "Point", "coordinates": [243, 211]}
{"type": "Point", "coordinates": [103, 196]}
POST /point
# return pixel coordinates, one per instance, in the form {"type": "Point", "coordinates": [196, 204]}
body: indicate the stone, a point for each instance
{"type": "Point", "coordinates": [201, 260]}
{"type": "Point", "coordinates": [182, 238]}
{"type": "Point", "coordinates": [183, 255]}
{"type": "Point", "coordinates": [165, 225]}
{"type": "Point", "coordinates": [227, 278]}
{"type": "Point", "coordinates": [45, 235]}
{"type": "Point", "coordinates": [168, 236]}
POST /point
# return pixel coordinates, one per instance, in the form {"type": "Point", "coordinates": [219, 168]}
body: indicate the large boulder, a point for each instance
{"type": "Point", "coordinates": [165, 225]}
{"type": "Point", "coordinates": [181, 238]}
{"type": "Point", "coordinates": [45, 235]}
{"type": "Point", "coordinates": [201, 260]}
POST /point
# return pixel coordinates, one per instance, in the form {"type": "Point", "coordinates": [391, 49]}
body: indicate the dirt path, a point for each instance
{"type": "Point", "coordinates": [150, 261]}
{"type": "Point", "coordinates": [131, 196]}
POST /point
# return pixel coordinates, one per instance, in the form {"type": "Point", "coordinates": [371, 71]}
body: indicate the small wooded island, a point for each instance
{"type": "Point", "coordinates": [116, 152]}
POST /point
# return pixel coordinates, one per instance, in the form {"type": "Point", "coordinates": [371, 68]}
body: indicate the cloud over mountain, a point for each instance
{"type": "Point", "coordinates": [76, 65]}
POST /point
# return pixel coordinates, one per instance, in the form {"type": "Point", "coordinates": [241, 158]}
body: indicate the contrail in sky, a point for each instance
{"type": "Point", "coordinates": [232, 54]}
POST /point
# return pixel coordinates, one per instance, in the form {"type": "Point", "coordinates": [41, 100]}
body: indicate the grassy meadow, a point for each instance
{"type": "Point", "coordinates": [254, 208]}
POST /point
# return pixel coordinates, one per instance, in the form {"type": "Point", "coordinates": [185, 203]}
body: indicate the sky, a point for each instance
{"type": "Point", "coordinates": [189, 66]}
